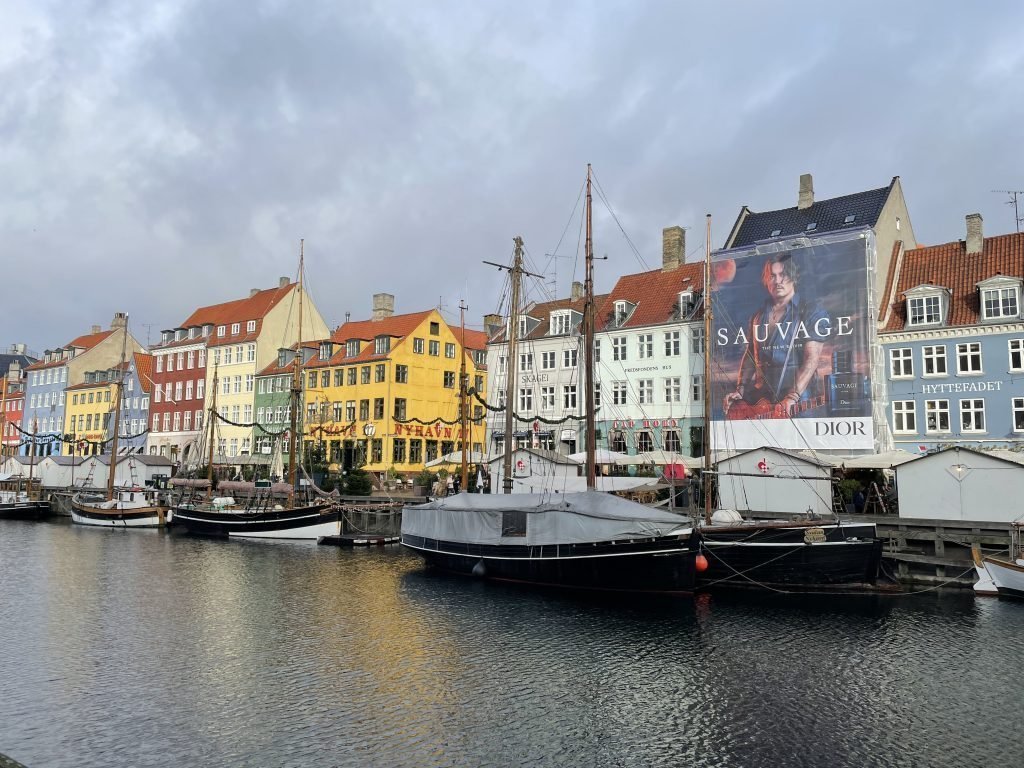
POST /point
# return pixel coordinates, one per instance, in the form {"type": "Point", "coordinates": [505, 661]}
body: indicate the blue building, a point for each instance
{"type": "Point", "coordinates": [952, 333]}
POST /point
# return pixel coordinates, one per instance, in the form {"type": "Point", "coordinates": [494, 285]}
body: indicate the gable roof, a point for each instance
{"type": "Point", "coordinates": [829, 215]}
{"type": "Point", "coordinates": [84, 343]}
{"type": "Point", "coordinates": [655, 295]}
{"type": "Point", "coordinates": [542, 311]}
{"type": "Point", "coordinates": [950, 266]}
{"type": "Point", "coordinates": [254, 307]}
{"type": "Point", "coordinates": [395, 326]}
{"type": "Point", "coordinates": [144, 370]}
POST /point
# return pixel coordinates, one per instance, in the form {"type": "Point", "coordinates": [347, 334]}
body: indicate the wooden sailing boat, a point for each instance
{"type": "Point", "coordinates": [796, 552]}
{"type": "Point", "coordinates": [132, 507]}
{"type": "Point", "coordinates": [588, 540]}
{"type": "Point", "coordinates": [263, 510]}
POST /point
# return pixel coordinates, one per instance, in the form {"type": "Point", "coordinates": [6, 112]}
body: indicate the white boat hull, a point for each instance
{"type": "Point", "coordinates": [1008, 577]}
{"type": "Point", "coordinates": [115, 521]}
{"type": "Point", "coordinates": [313, 532]}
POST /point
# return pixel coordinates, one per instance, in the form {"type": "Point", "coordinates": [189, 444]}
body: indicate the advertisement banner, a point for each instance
{"type": "Point", "coordinates": [790, 362]}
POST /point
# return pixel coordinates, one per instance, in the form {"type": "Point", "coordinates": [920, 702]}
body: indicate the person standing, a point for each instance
{"type": "Point", "coordinates": [451, 485]}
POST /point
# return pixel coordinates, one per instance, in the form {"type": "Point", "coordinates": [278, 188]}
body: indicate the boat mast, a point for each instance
{"type": "Point", "coordinates": [463, 406]}
{"type": "Point", "coordinates": [296, 389]}
{"type": "Point", "coordinates": [213, 412]}
{"type": "Point", "coordinates": [588, 346]}
{"type": "Point", "coordinates": [3, 416]}
{"type": "Point", "coordinates": [510, 379]}
{"type": "Point", "coordinates": [119, 387]}
{"type": "Point", "coordinates": [32, 454]}
{"type": "Point", "coordinates": [706, 478]}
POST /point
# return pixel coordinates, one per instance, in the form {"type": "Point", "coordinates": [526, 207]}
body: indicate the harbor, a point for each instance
{"type": "Point", "coordinates": [130, 648]}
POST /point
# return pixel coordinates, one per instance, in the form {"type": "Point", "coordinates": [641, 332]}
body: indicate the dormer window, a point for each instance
{"type": "Point", "coordinates": [207, 329]}
{"type": "Point", "coordinates": [326, 350]}
{"type": "Point", "coordinates": [192, 332]}
{"type": "Point", "coordinates": [235, 328]}
{"type": "Point", "coordinates": [250, 327]}
{"type": "Point", "coordinates": [179, 334]}
{"type": "Point", "coordinates": [522, 327]}
{"type": "Point", "coordinates": [685, 303]}
{"type": "Point", "coordinates": [623, 309]}
{"type": "Point", "coordinates": [221, 330]}
{"type": "Point", "coordinates": [924, 310]}
{"type": "Point", "coordinates": [1000, 298]}
{"type": "Point", "coordinates": [561, 323]}
{"type": "Point", "coordinates": [282, 358]}
{"type": "Point", "coordinates": [382, 345]}
{"type": "Point", "coordinates": [352, 348]}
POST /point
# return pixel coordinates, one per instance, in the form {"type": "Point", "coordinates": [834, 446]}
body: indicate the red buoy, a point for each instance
{"type": "Point", "coordinates": [701, 563]}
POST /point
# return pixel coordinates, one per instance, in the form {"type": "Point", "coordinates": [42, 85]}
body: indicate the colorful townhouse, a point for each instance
{"type": "Point", "coordinates": [227, 343]}
{"type": "Point", "coordinates": [952, 330]}
{"type": "Point", "coordinates": [273, 401]}
{"type": "Point", "coordinates": [12, 398]}
{"type": "Point", "coordinates": [649, 357]}
{"type": "Point", "coordinates": [89, 409]}
{"type": "Point", "coordinates": [63, 367]}
{"type": "Point", "coordinates": [549, 372]}
{"type": "Point", "coordinates": [383, 393]}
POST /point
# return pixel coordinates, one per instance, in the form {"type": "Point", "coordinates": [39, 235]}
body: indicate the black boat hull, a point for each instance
{"type": "Point", "coordinates": [33, 510]}
{"type": "Point", "coordinates": [773, 555]}
{"type": "Point", "coordinates": [299, 523]}
{"type": "Point", "coordinates": [661, 565]}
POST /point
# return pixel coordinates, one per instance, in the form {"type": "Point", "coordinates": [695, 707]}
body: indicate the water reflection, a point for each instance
{"type": "Point", "coordinates": [138, 648]}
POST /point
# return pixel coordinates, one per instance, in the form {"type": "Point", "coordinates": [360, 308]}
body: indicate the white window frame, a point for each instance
{"type": "Point", "coordinates": [620, 392]}
{"type": "Point", "coordinates": [569, 357]}
{"type": "Point", "coordinates": [547, 398]}
{"type": "Point", "coordinates": [965, 353]}
{"type": "Point", "coordinates": [569, 397]}
{"type": "Point", "coordinates": [904, 417]}
{"type": "Point", "coordinates": [547, 361]}
{"type": "Point", "coordinates": [645, 391]}
{"type": "Point", "coordinates": [973, 410]}
{"type": "Point", "coordinates": [674, 389]}
{"type": "Point", "coordinates": [250, 326]}
{"type": "Point", "coordinates": [937, 409]}
{"type": "Point", "coordinates": [1011, 293]}
{"type": "Point", "coordinates": [935, 354]}
{"type": "Point", "coordinates": [1015, 348]}
{"type": "Point", "coordinates": [561, 323]}
{"type": "Point", "coordinates": [901, 363]}
{"type": "Point", "coordinates": [924, 310]}
{"type": "Point", "coordinates": [671, 343]}
{"type": "Point", "coordinates": [645, 346]}
{"type": "Point", "coordinates": [1017, 414]}
{"type": "Point", "coordinates": [619, 348]}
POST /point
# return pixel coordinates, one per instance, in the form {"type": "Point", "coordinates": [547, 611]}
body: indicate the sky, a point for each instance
{"type": "Point", "coordinates": [162, 156]}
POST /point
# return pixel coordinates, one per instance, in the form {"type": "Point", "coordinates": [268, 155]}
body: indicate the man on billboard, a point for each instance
{"type": "Point", "coordinates": [785, 340]}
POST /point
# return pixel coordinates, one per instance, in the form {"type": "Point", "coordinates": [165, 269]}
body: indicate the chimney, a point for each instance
{"type": "Point", "coordinates": [120, 320]}
{"type": "Point", "coordinates": [14, 370]}
{"type": "Point", "coordinates": [806, 199]}
{"type": "Point", "coordinates": [253, 292]}
{"type": "Point", "coordinates": [283, 282]}
{"type": "Point", "coordinates": [577, 292]}
{"type": "Point", "coordinates": [673, 248]}
{"type": "Point", "coordinates": [383, 306]}
{"type": "Point", "coordinates": [975, 238]}
{"type": "Point", "coordinates": [493, 323]}
{"type": "Point", "coordinates": [96, 329]}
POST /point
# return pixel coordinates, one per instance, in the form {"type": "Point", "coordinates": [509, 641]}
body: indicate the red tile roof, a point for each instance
{"type": "Point", "coordinates": [950, 266]}
{"type": "Point", "coordinates": [396, 326]}
{"type": "Point", "coordinates": [542, 311]}
{"type": "Point", "coordinates": [654, 293]}
{"type": "Point", "coordinates": [85, 342]}
{"type": "Point", "coordinates": [239, 311]}
{"type": "Point", "coordinates": [144, 369]}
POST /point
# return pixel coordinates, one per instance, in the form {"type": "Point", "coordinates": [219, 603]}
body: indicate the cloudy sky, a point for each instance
{"type": "Point", "coordinates": [164, 155]}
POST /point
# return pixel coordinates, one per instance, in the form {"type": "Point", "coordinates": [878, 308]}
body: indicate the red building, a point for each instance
{"type": "Point", "coordinates": [12, 397]}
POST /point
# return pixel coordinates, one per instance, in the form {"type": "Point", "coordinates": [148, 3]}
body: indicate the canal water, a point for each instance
{"type": "Point", "coordinates": [139, 648]}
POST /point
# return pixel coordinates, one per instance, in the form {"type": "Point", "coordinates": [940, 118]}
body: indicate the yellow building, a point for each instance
{"type": "Point", "coordinates": [384, 392]}
{"type": "Point", "coordinates": [88, 410]}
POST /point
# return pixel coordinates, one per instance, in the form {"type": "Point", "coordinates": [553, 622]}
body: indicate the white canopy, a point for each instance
{"type": "Point", "coordinates": [601, 456]}
{"type": "Point", "coordinates": [455, 457]}
{"type": "Point", "coordinates": [883, 460]}
{"type": "Point", "coordinates": [662, 459]}
{"type": "Point", "coordinates": [569, 518]}
{"type": "Point", "coordinates": [578, 484]}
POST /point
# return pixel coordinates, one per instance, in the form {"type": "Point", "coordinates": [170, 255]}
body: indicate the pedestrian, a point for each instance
{"type": "Point", "coordinates": [858, 501]}
{"type": "Point", "coordinates": [451, 485]}
{"type": "Point", "coordinates": [457, 483]}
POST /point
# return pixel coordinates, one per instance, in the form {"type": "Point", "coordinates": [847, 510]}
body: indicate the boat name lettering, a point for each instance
{"type": "Point", "coordinates": [963, 386]}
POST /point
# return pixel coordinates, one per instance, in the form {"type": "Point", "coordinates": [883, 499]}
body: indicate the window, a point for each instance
{"type": "Point", "coordinates": [434, 349]}
{"type": "Point", "coordinates": [526, 361]}
{"type": "Point", "coordinates": [923, 310]}
{"type": "Point", "coordinates": [221, 330]}
{"type": "Point", "coordinates": [597, 394]}
{"type": "Point", "coordinates": [400, 408]}
{"type": "Point", "coordinates": [547, 361]}
{"type": "Point", "coordinates": [336, 410]}
{"type": "Point", "coordinates": [339, 377]}
{"type": "Point", "coordinates": [402, 374]}
{"type": "Point", "coordinates": [904, 417]}
{"type": "Point", "coordinates": [934, 359]}
{"type": "Point", "coordinates": [449, 379]}
{"type": "Point", "coordinates": [597, 350]}
{"type": "Point", "coordinates": [569, 357]}
{"type": "Point", "coordinates": [936, 413]}
{"type": "Point", "coordinates": [671, 343]}
{"type": "Point", "coordinates": [250, 381]}
{"type": "Point", "coordinates": [190, 359]}
{"type": "Point", "coordinates": [351, 377]}
{"type": "Point", "coordinates": [502, 363]}
{"type": "Point", "coordinates": [697, 340]}
{"type": "Point", "coordinates": [513, 523]}
{"type": "Point", "coordinates": [569, 397]}
{"type": "Point", "coordinates": [200, 389]}
{"type": "Point", "coordinates": [159, 365]}
{"type": "Point", "coordinates": [645, 391]}
{"type": "Point", "coordinates": [364, 374]}
{"type": "Point", "coordinates": [547, 398]}
{"type": "Point", "coordinates": [645, 345]}
{"type": "Point", "coordinates": [1018, 414]}
{"type": "Point", "coordinates": [435, 329]}
{"type": "Point", "coordinates": [526, 399]}
{"type": "Point", "coordinates": [202, 358]}
{"type": "Point", "coordinates": [1016, 354]}
{"type": "Point", "coordinates": [415, 451]}
{"type": "Point", "coordinates": [380, 373]}
{"type": "Point", "coordinates": [619, 348]}
{"type": "Point", "coordinates": [672, 444]}
{"type": "Point", "coordinates": [901, 363]}
{"type": "Point", "coordinates": [619, 390]}
{"type": "Point", "coordinates": [618, 440]}
{"type": "Point", "coordinates": [449, 350]}
{"type": "Point", "coordinates": [417, 346]}
{"type": "Point", "coordinates": [235, 328]}
{"type": "Point", "coordinates": [621, 312]}
{"type": "Point", "coordinates": [181, 361]}
{"type": "Point", "coordinates": [178, 390]}
{"type": "Point", "coordinates": [382, 345]}
{"type": "Point", "coordinates": [188, 421]}
{"type": "Point", "coordinates": [697, 387]}
{"type": "Point", "coordinates": [188, 389]}
{"type": "Point", "coordinates": [999, 303]}
{"type": "Point", "coordinates": [352, 348]}
{"type": "Point", "coordinates": [972, 415]}
{"type": "Point", "coordinates": [251, 353]}
{"type": "Point", "coordinates": [227, 356]}
{"type": "Point", "coordinates": [968, 357]}
{"type": "Point", "coordinates": [673, 389]}
{"type": "Point", "coordinates": [250, 326]}
{"type": "Point", "coordinates": [350, 410]}
{"type": "Point", "coordinates": [170, 363]}
{"type": "Point", "coordinates": [644, 442]}
{"type": "Point", "coordinates": [560, 323]}
{"type": "Point", "coordinates": [398, 451]}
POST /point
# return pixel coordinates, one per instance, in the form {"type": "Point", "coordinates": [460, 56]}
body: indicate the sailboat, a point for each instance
{"type": "Point", "coordinates": [1002, 576]}
{"type": "Point", "coordinates": [263, 509]}
{"type": "Point", "coordinates": [586, 540]}
{"type": "Point", "coordinates": [795, 552]}
{"type": "Point", "coordinates": [19, 498]}
{"type": "Point", "coordinates": [132, 507]}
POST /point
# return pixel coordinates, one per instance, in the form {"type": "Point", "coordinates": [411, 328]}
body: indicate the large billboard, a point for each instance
{"type": "Point", "coordinates": [790, 355]}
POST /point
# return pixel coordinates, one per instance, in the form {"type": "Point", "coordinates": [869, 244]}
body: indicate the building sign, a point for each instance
{"type": "Point", "coordinates": [790, 344]}
{"type": "Point", "coordinates": [439, 430]}
{"type": "Point", "coordinates": [645, 424]}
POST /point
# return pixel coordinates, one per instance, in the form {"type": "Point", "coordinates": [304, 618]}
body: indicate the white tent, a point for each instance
{"type": "Point", "coordinates": [661, 459]}
{"type": "Point", "coordinates": [884, 460]}
{"type": "Point", "coordinates": [455, 457]}
{"type": "Point", "coordinates": [601, 456]}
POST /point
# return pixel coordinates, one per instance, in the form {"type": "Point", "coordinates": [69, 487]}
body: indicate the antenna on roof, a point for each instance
{"type": "Point", "coordinates": [147, 326]}
{"type": "Point", "coordinates": [1013, 193]}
